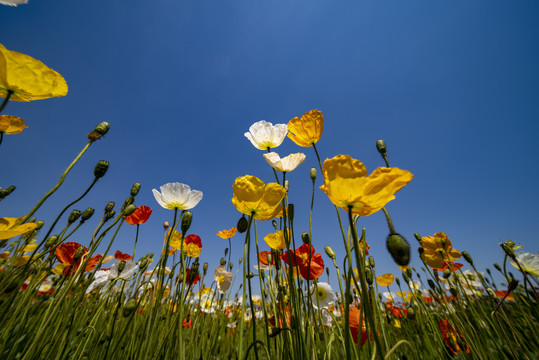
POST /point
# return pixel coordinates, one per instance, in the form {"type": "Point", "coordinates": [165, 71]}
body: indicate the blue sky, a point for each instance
{"type": "Point", "coordinates": [451, 86]}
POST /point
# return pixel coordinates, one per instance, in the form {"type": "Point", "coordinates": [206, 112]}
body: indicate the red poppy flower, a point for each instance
{"type": "Point", "coordinates": [355, 324]}
{"type": "Point", "coordinates": [186, 323]}
{"type": "Point", "coordinates": [454, 265]}
{"type": "Point", "coordinates": [263, 258]}
{"type": "Point", "coordinates": [309, 270]}
{"type": "Point", "coordinates": [139, 216]}
{"type": "Point", "coordinates": [190, 279]}
{"type": "Point", "coordinates": [65, 253]}
{"type": "Point", "coordinates": [452, 338]}
{"type": "Point", "coordinates": [120, 256]}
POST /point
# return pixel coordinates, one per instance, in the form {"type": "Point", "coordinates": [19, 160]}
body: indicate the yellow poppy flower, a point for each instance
{"type": "Point", "coordinates": [253, 197]}
{"type": "Point", "coordinates": [11, 125]}
{"type": "Point", "coordinates": [307, 130]}
{"type": "Point", "coordinates": [385, 280]}
{"type": "Point", "coordinates": [227, 234]}
{"type": "Point", "coordinates": [435, 254]}
{"type": "Point", "coordinates": [27, 78]}
{"type": "Point", "coordinates": [346, 184]}
{"type": "Point", "coordinates": [9, 227]}
{"type": "Point", "coordinates": [276, 240]}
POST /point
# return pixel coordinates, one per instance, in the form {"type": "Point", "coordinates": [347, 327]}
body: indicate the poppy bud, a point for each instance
{"type": "Point", "coordinates": [418, 238]}
{"type": "Point", "coordinates": [87, 214]}
{"type": "Point", "coordinates": [101, 169]}
{"type": "Point", "coordinates": [420, 251]}
{"type": "Point", "coordinates": [129, 308]}
{"type": "Point", "coordinates": [399, 249]}
{"type": "Point", "coordinates": [129, 210]}
{"type": "Point", "coordinates": [128, 202]}
{"type": "Point", "coordinates": [239, 261]}
{"type": "Point", "coordinates": [431, 283]}
{"type": "Point", "coordinates": [453, 291]}
{"type": "Point", "coordinates": [222, 262]}
{"type": "Point", "coordinates": [312, 173]}
{"type": "Point", "coordinates": [467, 257]}
{"type": "Point", "coordinates": [305, 238]}
{"type": "Point", "coordinates": [443, 241]}
{"type": "Point", "coordinates": [330, 252]}
{"type": "Point", "coordinates": [291, 212]}
{"type": "Point", "coordinates": [274, 223]}
{"type": "Point", "coordinates": [512, 285]}
{"type": "Point", "coordinates": [143, 264]}
{"type": "Point", "coordinates": [491, 292]}
{"type": "Point", "coordinates": [39, 224]}
{"type": "Point", "coordinates": [397, 280]}
{"type": "Point", "coordinates": [205, 268]}
{"type": "Point", "coordinates": [226, 251]}
{"type": "Point", "coordinates": [186, 221]}
{"type": "Point", "coordinates": [381, 146]}
{"type": "Point", "coordinates": [371, 262]}
{"type": "Point", "coordinates": [121, 266]}
{"type": "Point", "coordinates": [230, 265]}
{"type": "Point", "coordinates": [109, 207]}
{"type": "Point", "coordinates": [327, 271]}
{"type": "Point", "coordinates": [447, 273]}
{"type": "Point", "coordinates": [368, 275]}
{"type": "Point", "coordinates": [135, 189]}
{"type": "Point", "coordinates": [508, 250]}
{"type": "Point", "coordinates": [274, 331]}
{"type": "Point", "coordinates": [242, 224]}
{"type": "Point", "coordinates": [5, 192]}
{"type": "Point", "coordinates": [250, 275]}
{"type": "Point", "coordinates": [409, 271]}
{"type": "Point", "coordinates": [102, 128]}
{"type": "Point", "coordinates": [110, 215]}
{"type": "Point", "coordinates": [405, 276]}
{"type": "Point", "coordinates": [489, 272]}
{"type": "Point", "coordinates": [286, 185]}
{"type": "Point", "coordinates": [410, 313]}
{"type": "Point", "coordinates": [78, 253]}
{"type": "Point", "coordinates": [74, 216]}
{"type": "Point", "coordinates": [497, 266]}
{"type": "Point", "coordinates": [51, 241]}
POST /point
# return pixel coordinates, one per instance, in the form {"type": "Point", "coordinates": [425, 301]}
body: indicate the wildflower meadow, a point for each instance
{"type": "Point", "coordinates": [68, 290]}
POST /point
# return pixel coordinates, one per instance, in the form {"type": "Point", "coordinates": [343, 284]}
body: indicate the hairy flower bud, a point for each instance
{"type": "Point", "coordinates": [101, 168]}
{"type": "Point", "coordinates": [330, 252]}
{"type": "Point", "coordinates": [135, 189]}
{"type": "Point", "coordinates": [186, 221]}
{"type": "Point", "coordinates": [143, 264]}
{"type": "Point", "coordinates": [87, 214]}
{"type": "Point", "coordinates": [405, 276]}
{"type": "Point", "coordinates": [222, 262]}
{"type": "Point", "coordinates": [242, 224]}
{"type": "Point", "coordinates": [410, 313]}
{"type": "Point", "coordinates": [100, 130]}
{"type": "Point", "coordinates": [205, 268]}
{"type": "Point", "coordinates": [74, 216]}
{"type": "Point", "coordinates": [110, 215]}
{"type": "Point", "coordinates": [129, 308]}
{"type": "Point", "coordinates": [371, 261]}
{"type": "Point", "coordinates": [291, 212]}
{"type": "Point", "coordinates": [129, 210]}
{"type": "Point", "coordinates": [305, 238]}
{"type": "Point", "coordinates": [39, 224]}
{"type": "Point", "coordinates": [121, 266]}
{"type": "Point", "coordinates": [51, 241]}
{"type": "Point", "coordinates": [368, 275]}
{"type": "Point", "coordinates": [399, 249]}
{"type": "Point", "coordinates": [447, 273]}
{"type": "Point", "coordinates": [381, 146]}
{"type": "Point", "coordinates": [418, 238]}
{"type": "Point", "coordinates": [498, 267]}
{"type": "Point", "coordinates": [467, 257]}
{"type": "Point", "coordinates": [5, 192]}
{"type": "Point", "coordinates": [312, 173]}
{"type": "Point", "coordinates": [230, 265]}
{"type": "Point", "coordinates": [78, 253]}
{"type": "Point", "coordinates": [512, 285]}
{"type": "Point", "coordinates": [431, 283]}
{"type": "Point", "coordinates": [109, 207]}
{"type": "Point", "coordinates": [127, 202]}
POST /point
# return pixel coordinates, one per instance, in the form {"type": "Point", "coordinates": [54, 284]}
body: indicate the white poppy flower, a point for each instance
{"type": "Point", "coordinates": [285, 164]}
{"type": "Point", "coordinates": [323, 296]}
{"type": "Point", "coordinates": [129, 269]}
{"type": "Point", "coordinates": [13, 2]}
{"type": "Point", "coordinates": [100, 277]}
{"type": "Point", "coordinates": [177, 196]}
{"type": "Point", "coordinates": [528, 261]}
{"type": "Point", "coordinates": [264, 135]}
{"type": "Point", "coordinates": [223, 279]}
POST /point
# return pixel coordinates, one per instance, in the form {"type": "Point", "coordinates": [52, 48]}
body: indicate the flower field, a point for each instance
{"type": "Point", "coordinates": [63, 296]}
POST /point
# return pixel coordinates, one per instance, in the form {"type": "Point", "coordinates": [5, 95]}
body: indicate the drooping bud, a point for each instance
{"type": "Point", "coordinates": [129, 210]}
{"type": "Point", "coordinates": [101, 168]}
{"type": "Point", "coordinates": [74, 216]}
{"type": "Point", "coordinates": [305, 238]}
{"type": "Point", "coordinates": [498, 267]}
{"type": "Point", "coordinates": [5, 192]}
{"type": "Point", "coordinates": [135, 189]}
{"type": "Point", "coordinates": [291, 212]}
{"type": "Point", "coordinates": [239, 261]}
{"type": "Point", "coordinates": [330, 252]}
{"type": "Point", "coordinates": [431, 283]}
{"type": "Point", "coordinates": [87, 214]}
{"type": "Point", "coordinates": [447, 273]}
{"type": "Point", "coordinates": [512, 285]}
{"type": "Point", "coordinates": [129, 308]}
{"type": "Point", "coordinates": [110, 215]}
{"type": "Point", "coordinates": [399, 249]}
{"type": "Point", "coordinates": [381, 146]}
{"type": "Point", "coordinates": [186, 221]}
{"type": "Point", "coordinates": [109, 207]}
{"type": "Point", "coordinates": [418, 238]}
{"type": "Point", "coordinates": [78, 254]}
{"type": "Point", "coordinates": [312, 173]}
{"type": "Point", "coordinates": [250, 275]}
{"type": "Point", "coordinates": [467, 257]}
{"type": "Point", "coordinates": [242, 224]}
{"type": "Point", "coordinates": [274, 331]}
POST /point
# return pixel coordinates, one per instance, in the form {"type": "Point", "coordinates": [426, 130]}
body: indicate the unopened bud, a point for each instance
{"type": "Point", "coordinates": [443, 241]}
{"type": "Point", "coordinates": [286, 185]}
{"type": "Point", "coordinates": [129, 308]}
{"type": "Point", "coordinates": [418, 238]}
{"type": "Point", "coordinates": [291, 212]}
{"type": "Point", "coordinates": [39, 224]}
{"type": "Point", "coordinates": [371, 261]}
{"type": "Point", "coordinates": [467, 257]}
{"type": "Point", "coordinates": [491, 292]}
{"type": "Point", "coordinates": [405, 277]}
{"type": "Point", "coordinates": [239, 261]}
{"type": "Point", "coordinates": [330, 252]}
{"type": "Point", "coordinates": [410, 313]}
{"type": "Point", "coordinates": [327, 271]}
{"type": "Point", "coordinates": [305, 238]}
{"type": "Point", "coordinates": [242, 224]}
{"type": "Point", "coordinates": [135, 189]}
{"type": "Point", "coordinates": [129, 210]}
{"type": "Point", "coordinates": [512, 285]}
{"type": "Point", "coordinates": [109, 207]}
{"type": "Point", "coordinates": [508, 250]}
{"type": "Point", "coordinates": [226, 251]}
{"type": "Point", "coordinates": [143, 264]}
{"type": "Point", "coordinates": [274, 223]}
{"type": "Point", "coordinates": [447, 273]}
{"type": "Point", "coordinates": [250, 275]}
{"type": "Point", "coordinates": [453, 291]}
{"type": "Point", "coordinates": [5, 192]}
{"type": "Point", "coordinates": [397, 280]}
{"type": "Point", "coordinates": [498, 267]}
{"type": "Point", "coordinates": [368, 275]}
{"type": "Point", "coordinates": [431, 283]}
{"type": "Point", "coordinates": [222, 262]}
{"type": "Point", "coordinates": [121, 266]}
{"type": "Point", "coordinates": [186, 221]}
{"type": "Point", "coordinates": [128, 202]}
{"type": "Point", "coordinates": [230, 265]}
{"type": "Point", "coordinates": [381, 146]}
{"type": "Point", "coordinates": [409, 271]}
{"type": "Point", "coordinates": [420, 251]}
{"type": "Point", "coordinates": [51, 241]}
{"type": "Point", "coordinates": [74, 216]}
{"type": "Point", "coordinates": [399, 249]}
{"type": "Point", "coordinates": [110, 215]}
{"type": "Point", "coordinates": [101, 169]}
{"type": "Point", "coordinates": [102, 128]}
{"type": "Point", "coordinates": [274, 331]}
{"type": "Point", "coordinates": [205, 268]}
{"type": "Point", "coordinates": [312, 173]}
{"type": "Point", "coordinates": [87, 214]}
{"type": "Point", "coordinates": [78, 254]}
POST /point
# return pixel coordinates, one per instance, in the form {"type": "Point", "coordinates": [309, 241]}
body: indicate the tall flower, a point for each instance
{"type": "Point", "coordinates": [177, 196]}
{"type": "Point", "coordinates": [65, 253]}
{"type": "Point", "coordinates": [192, 244]}
{"type": "Point", "coordinates": [139, 216]}
{"type": "Point", "coordinates": [276, 240]}
{"type": "Point", "coordinates": [223, 279]}
{"type": "Point", "coordinates": [321, 295]}
{"type": "Point", "coordinates": [385, 280]}
{"type": "Point", "coordinates": [528, 261]}
{"type": "Point", "coordinates": [311, 265]}
{"type": "Point", "coordinates": [307, 130]}
{"type": "Point", "coordinates": [285, 164]}
{"type": "Point", "coordinates": [28, 79]}
{"type": "Point", "coordinates": [264, 135]}
{"type": "Point", "coordinates": [227, 234]}
{"type": "Point", "coordinates": [438, 251]}
{"type": "Point", "coordinates": [253, 197]}
{"type": "Point", "coordinates": [346, 184]}
{"type": "Point", "coordinates": [9, 227]}
{"type": "Point", "coordinates": [11, 125]}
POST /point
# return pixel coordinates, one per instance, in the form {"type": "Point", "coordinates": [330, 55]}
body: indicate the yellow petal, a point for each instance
{"type": "Point", "coordinates": [11, 125]}
{"type": "Point", "coordinates": [9, 227]}
{"type": "Point", "coordinates": [385, 280]}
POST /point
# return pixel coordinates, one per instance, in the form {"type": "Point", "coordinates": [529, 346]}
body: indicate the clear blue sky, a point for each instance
{"type": "Point", "coordinates": [453, 88]}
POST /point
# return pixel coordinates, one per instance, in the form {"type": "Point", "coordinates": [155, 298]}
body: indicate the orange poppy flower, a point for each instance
{"type": "Point", "coordinates": [355, 324]}
{"type": "Point", "coordinates": [227, 234]}
{"type": "Point", "coordinates": [452, 338]}
{"type": "Point", "coordinates": [120, 256]}
{"type": "Point", "coordinates": [65, 253]}
{"type": "Point", "coordinates": [311, 265]}
{"type": "Point", "coordinates": [139, 216]}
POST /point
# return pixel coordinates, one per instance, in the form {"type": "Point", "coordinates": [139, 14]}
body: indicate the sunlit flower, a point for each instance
{"type": "Point", "coordinates": [253, 197]}
{"type": "Point", "coordinates": [227, 234]}
{"type": "Point", "coordinates": [323, 296]}
{"type": "Point", "coordinates": [311, 265]}
{"type": "Point", "coordinates": [9, 227]}
{"type": "Point", "coordinates": [454, 341]}
{"type": "Point", "coordinates": [65, 253]}
{"type": "Point", "coordinates": [177, 196]}
{"type": "Point", "coordinates": [129, 269]}
{"type": "Point", "coordinates": [46, 287]}
{"type": "Point", "coordinates": [355, 324]}
{"type": "Point", "coordinates": [435, 255]}
{"type": "Point", "coordinates": [118, 255]}
{"type": "Point", "coordinates": [101, 276]}
{"type": "Point", "coordinates": [472, 278]}
{"type": "Point", "coordinates": [223, 279]}
{"type": "Point", "coordinates": [414, 284]}
{"type": "Point", "coordinates": [13, 2]}
{"type": "Point", "coordinates": [27, 78]}
{"type": "Point", "coordinates": [276, 240]}
{"type": "Point", "coordinates": [266, 260]}
{"type": "Point", "coordinates": [192, 245]}
{"type": "Point", "coordinates": [285, 164]}
{"type": "Point", "coordinates": [503, 294]}
{"type": "Point", "coordinates": [389, 295]}
{"type": "Point", "coordinates": [264, 135]}
{"type": "Point", "coordinates": [11, 125]}
{"type": "Point", "coordinates": [207, 304]}
{"type": "Point", "coordinates": [347, 185]}
{"type": "Point", "coordinates": [307, 130]}
{"type": "Point", "coordinates": [192, 277]}
{"type": "Point", "coordinates": [139, 216]}
{"type": "Point", "coordinates": [385, 280]}
{"type": "Point", "coordinates": [528, 261]}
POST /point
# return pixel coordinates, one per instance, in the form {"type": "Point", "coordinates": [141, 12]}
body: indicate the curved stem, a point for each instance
{"type": "Point", "coordinates": [6, 99]}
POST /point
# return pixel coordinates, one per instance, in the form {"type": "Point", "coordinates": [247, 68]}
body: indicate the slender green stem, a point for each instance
{"type": "Point", "coordinates": [6, 99]}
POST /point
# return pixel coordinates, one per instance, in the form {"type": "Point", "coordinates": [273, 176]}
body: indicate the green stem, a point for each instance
{"type": "Point", "coordinates": [6, 99]}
